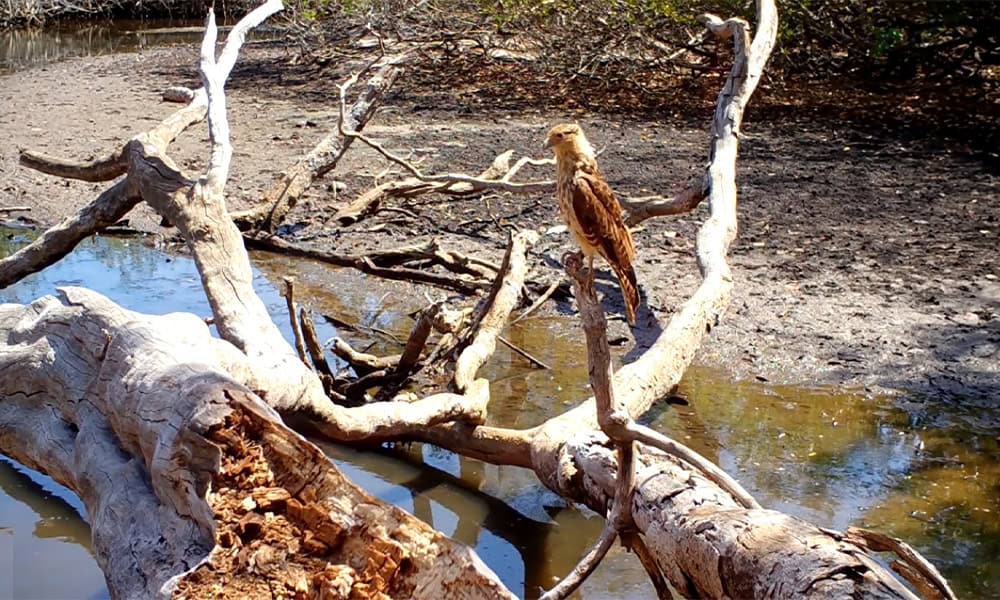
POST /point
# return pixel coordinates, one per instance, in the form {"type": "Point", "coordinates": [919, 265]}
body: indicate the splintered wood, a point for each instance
{"type": "Point", "coordinates": [274, 541]}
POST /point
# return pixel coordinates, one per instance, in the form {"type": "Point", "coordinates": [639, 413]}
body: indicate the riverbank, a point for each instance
{"type": "Point", "coordinates": [866, 257]}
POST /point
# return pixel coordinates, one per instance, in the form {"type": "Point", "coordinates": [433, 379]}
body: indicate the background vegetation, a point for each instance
{"type": "Point", "coordinates": [938, 39]}
{"type": "Point", "coordinates": [629, 40]}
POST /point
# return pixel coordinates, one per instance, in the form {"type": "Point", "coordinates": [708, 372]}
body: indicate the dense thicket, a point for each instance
{"type": "Point", "coordinates": [628, 39]}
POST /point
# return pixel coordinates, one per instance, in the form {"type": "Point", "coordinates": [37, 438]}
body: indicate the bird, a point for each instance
{"type": "Point", "coordinates": [591, 210]}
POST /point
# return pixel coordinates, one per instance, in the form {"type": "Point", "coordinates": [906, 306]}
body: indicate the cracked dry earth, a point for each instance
{"type": "Point", "coordinates": [867, 254]}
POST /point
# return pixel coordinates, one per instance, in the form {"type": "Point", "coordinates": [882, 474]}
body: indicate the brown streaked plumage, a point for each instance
{"type": "Point", "coordinates": [591, 211]}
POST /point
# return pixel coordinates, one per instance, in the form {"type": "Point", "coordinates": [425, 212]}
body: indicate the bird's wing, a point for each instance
{"type": "Point", "coordinates": [600, 216]}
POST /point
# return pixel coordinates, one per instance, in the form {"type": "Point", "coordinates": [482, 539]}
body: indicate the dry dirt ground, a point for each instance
{"type": "Point", "coordinates": [867, 256]}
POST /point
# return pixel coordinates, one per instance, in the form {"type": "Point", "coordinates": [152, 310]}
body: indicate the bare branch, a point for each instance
{"type": "Point", "coordinates": [59, 240]}
{"type": "Point", "coordinates": [102, 169]}
{"type": "Point", "coordinates": [365, 264]}
{"type": "Point", "coordinates": [417, 339]}
{"type": "Point", "coordinates": [503, 302]}
{"type": "Point", "coordinates": [920, 572]}
{"type": "Point", "coordinates": [289, 294]}
{"type": "Point", "coordinates": [535, 362]}
{"type": "Point", "coordinates": [362, 362]}
{"type": "Point", "coordinates": [540, 300]}
{"type": "Point", "coordinates": [478, 184]}
{"type": "Point", "coordinates": [313, 345]}
{"type": "Point", "coordinates": [638, 210]}
{"type": "Point", "coordinates": [283, 195]}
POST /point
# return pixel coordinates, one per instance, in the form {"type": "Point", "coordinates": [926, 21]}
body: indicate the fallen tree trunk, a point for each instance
{"type": "Point", "coordinates": [191, 482]}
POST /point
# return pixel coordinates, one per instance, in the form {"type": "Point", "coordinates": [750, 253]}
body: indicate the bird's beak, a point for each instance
{"type": "Point", "coordinates": [548, 144]}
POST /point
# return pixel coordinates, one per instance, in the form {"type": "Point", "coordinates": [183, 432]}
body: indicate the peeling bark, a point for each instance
{"type": "Point", "coordinates": [189, 479]}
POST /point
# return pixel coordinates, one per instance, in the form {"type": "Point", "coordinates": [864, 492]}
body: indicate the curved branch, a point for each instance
{"type": "Point", "coordinates": [502, 302]}
{"type": "Point", "coordinates": [102, 169]}
{"type": "Point", "coordinates": [58, 241]}
{"type": "Point", "coordinates": [638, 210]}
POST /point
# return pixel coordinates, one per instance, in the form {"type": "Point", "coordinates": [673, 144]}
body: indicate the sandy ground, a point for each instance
{"type": "Point", "coordinates": [867, 254]}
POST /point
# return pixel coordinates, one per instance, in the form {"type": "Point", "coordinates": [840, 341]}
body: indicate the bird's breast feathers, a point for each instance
{"type": "Point", "coordinates": [589, 241]}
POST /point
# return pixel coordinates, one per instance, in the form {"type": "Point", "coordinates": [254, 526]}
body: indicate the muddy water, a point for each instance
{"type": "Point", "coordinates": [24, 48]}
{"type": "Point", "coordinates": [836, 457]}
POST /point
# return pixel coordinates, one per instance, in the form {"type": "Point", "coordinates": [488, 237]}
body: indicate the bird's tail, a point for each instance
{"type": "Point", "coordinates": [630, 290]}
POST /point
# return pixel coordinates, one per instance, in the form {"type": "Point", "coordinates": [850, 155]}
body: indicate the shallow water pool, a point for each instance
{"type": "Point", "coordinates": [927, 474]}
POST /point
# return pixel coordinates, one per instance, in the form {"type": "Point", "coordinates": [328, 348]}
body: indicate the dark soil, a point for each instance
{"type": "Point", "coordinates": [870, 221]}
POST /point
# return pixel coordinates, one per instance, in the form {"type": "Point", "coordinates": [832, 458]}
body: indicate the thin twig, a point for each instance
{"type": "Point", "coordinates": [534, 361]}
{"type": "Point", "coordinates": [289, 294]}
{"type": "Point", "coordinates": [406, 212]}
{"type": "Point", "coordinates": [541, 300]}
{"type": "Point", "coordinates": [365, 264]}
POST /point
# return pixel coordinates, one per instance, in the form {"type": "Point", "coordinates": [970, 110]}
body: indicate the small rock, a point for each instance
{"type": "Point", "coordinates": [179, 94]}
{"type": "Point", "coordinates": [969, 318]}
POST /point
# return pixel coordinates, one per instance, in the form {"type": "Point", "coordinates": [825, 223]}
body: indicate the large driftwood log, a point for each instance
{"type": "Point", "coordinates": [192, 483]}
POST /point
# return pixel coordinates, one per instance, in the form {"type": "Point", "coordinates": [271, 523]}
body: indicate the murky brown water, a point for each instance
{"type": "Point", "coordinates": [927, 474]}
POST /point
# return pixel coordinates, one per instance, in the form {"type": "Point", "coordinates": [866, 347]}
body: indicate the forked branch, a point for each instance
{"type": "Point", "coordinates": [477, 183]}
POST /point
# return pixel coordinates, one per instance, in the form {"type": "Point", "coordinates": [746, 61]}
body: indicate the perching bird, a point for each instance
{"type": "Point", "coordinates": [591, 210]}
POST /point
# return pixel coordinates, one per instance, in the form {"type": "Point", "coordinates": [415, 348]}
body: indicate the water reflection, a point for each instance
{"type": "Point", "coordinates": [41, 533]}
{"type": "Point", "coordinates": [926, 473]}
{"type": "Point", "coordinates": [841, 458]}
{"type": "Point", "coordinates": [30, 47]}
{"type": "Point", "coordinates": [24, 48]}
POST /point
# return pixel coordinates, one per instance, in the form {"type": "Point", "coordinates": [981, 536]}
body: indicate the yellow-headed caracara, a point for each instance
{"type": "Point", "coordinates": [591, 211]}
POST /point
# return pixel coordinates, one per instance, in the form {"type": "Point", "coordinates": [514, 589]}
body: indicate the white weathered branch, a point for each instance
{"type": "Point", "coordinates": [284, 193]}
{"type": "Point", "coordinates": [501, 302]}
{"type": "Point", "coordinates": [477, 183]}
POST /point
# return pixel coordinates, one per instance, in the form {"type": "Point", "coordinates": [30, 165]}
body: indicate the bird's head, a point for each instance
{"type": "Point", "coordinates": [568, 140]}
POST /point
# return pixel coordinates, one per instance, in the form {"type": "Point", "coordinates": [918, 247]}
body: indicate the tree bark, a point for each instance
{"type": "Point", "coordinates": [188, 476]}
